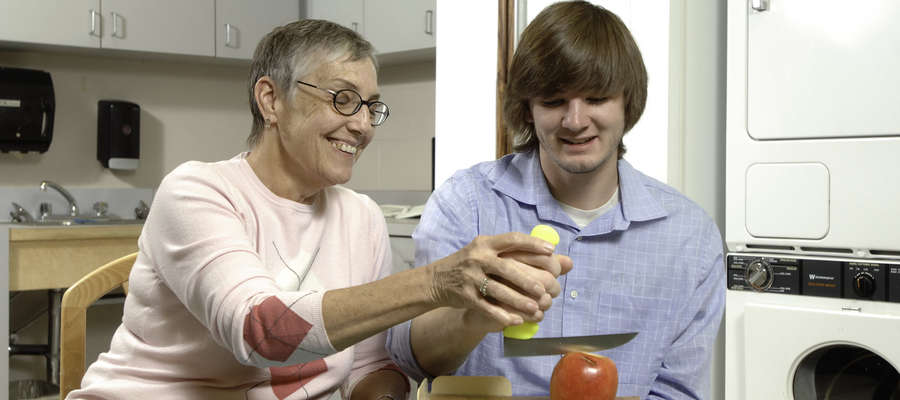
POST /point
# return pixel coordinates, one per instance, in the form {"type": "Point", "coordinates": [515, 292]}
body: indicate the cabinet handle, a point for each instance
{"type": "Point", "coordinates": [759, 5]}
{"type": "Point", "coordinates": [228, 36]}
{"type": "Point", "coordinates": [115, 18]}
{"type": "Point", "coordinates": [355, 26]}
{"type": "Point", "coordinates": [429, 22]}
{"type": "Point", "coordinates": [94, 31]}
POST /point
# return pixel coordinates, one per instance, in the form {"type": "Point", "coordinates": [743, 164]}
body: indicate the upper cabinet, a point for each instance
{"type": "Point", "coordinates": [400, 25]}
{"type": "Point", "coordinates": [223, 28]}
{"type": "Point", "coordinates": [240, 24]}
{"type": "Point", "coordinates": [161, 26]}
{"type": "Point", "coordinates": [67, 23]}
{"type": "Point", "coordinates": [393, 26]}
{"type": "Point", "coordinates": [348, 13]}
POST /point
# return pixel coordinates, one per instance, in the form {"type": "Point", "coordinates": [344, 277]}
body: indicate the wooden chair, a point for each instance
{"type": "Point", "coordinates": [75, 302]}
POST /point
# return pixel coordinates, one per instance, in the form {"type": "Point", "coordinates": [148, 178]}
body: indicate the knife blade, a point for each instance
{"type": "Point", "coordinates": [562, 345]}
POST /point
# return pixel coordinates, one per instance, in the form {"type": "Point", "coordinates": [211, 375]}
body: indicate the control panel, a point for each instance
{"type": "Point", "coordinates": [854, 279]}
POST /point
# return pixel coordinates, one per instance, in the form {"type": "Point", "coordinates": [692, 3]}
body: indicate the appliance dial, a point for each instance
{"type": "Point", "coordinates": [759, 275]}
{"type": "Point", "coordinates": [864, 284]}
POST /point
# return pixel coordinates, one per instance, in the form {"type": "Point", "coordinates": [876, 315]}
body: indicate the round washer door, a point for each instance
{"type": "Point", "coordinates": [845, 372]}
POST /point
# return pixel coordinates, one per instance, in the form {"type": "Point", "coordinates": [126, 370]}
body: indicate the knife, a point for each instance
{"type": "Point", "coordinates": [562, 345]}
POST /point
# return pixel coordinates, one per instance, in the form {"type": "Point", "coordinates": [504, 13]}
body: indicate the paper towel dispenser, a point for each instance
{"type": "Point", "coordinates": [118, 134]}
{"type": "Point", "coordinates": [27, 105]}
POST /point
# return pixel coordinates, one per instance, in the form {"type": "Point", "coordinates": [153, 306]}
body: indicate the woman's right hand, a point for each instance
{"type": "Point", "coordinates": [515, 291]}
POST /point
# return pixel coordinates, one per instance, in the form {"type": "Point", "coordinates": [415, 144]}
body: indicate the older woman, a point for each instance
{"type": "Point", "coordinates": [259, 278]}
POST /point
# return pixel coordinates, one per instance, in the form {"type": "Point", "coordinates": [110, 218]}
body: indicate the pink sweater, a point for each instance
{"type": "Point", "coordinates": [220, 303]}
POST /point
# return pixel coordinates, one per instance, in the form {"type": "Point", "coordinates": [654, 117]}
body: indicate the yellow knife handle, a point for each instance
{"type": "Point", "coordinates": [527, 330]}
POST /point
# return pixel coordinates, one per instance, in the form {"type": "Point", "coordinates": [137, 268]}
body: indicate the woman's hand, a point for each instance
{"type": "Point", "coordinates": [518, 273]}
{"type": "Point", "coordinates": [477, 318]}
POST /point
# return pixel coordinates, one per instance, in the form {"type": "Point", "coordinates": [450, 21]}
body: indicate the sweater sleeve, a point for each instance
{"type": "Point", "coordinates": [196, 238]}
{"type": "Point", "coordinates": [371, 355]}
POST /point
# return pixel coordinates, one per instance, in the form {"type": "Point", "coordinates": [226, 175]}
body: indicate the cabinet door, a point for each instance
{"type": "Point", "coordinates": [240, 24]}
{"type": "Point", "coordinates": [162, 26]}
{"type": "Point", "coordinates": [348, 13]}
{"type": "Point", "coordinates": [823, 69]}
{"type": "Point", "coordinates": [403, 253]}
{"type": "Point", "coordinates": [400, 25]}
{"type": "Point", "coordinates": [66, 23]}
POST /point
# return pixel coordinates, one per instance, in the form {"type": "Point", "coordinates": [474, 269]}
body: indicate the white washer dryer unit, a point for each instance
{"type": "Point", "coordinates": [812, 192]}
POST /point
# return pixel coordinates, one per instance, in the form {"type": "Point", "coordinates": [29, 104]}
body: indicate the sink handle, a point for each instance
{"type": "Point", "coordinates": [20, 214]}
{"type": "Point", "coordinates": [100, 208]}
{"type": "Point", "coordinates": [141, 211]}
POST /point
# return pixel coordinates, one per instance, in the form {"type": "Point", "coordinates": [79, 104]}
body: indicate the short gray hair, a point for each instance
{"type": "Point", "coordinates": [296, 49]}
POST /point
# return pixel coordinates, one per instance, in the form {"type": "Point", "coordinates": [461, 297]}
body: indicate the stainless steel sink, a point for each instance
{"type": "Point", "coordinates": [86, 220]}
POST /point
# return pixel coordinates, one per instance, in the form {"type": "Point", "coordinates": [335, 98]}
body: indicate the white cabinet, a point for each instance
{"type": "Point", "coordinates": [823, 69]}
{"type": "Point", "coordinates": [392, 26]}
{"type": "Point", "coordinates": [163, 26]}
{"type": "Point", "coordinates": [400, 25]}
{"type": "Point", "coordinates": [240, 24]}
{"type": "Point", "coordinates": [67, 23]}
{"type": "Point", "coordinates": [223, 28]}
{"type": "Point", "coordinates": [348, 13]}
{"type": "Point", "coordinates": [403, 253]}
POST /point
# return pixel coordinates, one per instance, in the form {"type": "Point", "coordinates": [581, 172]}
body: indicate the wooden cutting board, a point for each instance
{"type": "Point", "coordinates": [475, 388]}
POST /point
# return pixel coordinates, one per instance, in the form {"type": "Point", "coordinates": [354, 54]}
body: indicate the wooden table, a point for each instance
{"type": "Point", "coordinates": [446, 397]}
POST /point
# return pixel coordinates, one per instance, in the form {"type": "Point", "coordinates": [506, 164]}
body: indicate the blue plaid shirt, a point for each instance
{"type": "Point", "coordinates": [653, 264]}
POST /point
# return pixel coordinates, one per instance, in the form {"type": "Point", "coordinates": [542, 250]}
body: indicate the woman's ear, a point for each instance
{"type": "Point", "coordinates": [266, 97]}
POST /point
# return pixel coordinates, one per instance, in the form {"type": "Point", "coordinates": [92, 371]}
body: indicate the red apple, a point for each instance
{"type": "Point", "coordinates": [583, 376]}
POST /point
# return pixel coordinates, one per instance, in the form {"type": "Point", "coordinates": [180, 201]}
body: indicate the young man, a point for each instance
{"type": "Point", "coordinates": [646, 258]}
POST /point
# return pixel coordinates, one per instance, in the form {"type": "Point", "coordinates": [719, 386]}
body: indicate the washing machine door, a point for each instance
{"type": "Point", "coordinates": [845, 372]}
{"type": "Point", "coordinates": [813, 350]}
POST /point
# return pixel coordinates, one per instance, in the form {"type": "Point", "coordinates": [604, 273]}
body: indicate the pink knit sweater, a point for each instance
{"type": "Point", "coordinates": [225, 297]}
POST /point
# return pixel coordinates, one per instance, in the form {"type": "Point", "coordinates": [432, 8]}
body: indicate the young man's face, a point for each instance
{"type": "Point", "coordinates": [578, 132]}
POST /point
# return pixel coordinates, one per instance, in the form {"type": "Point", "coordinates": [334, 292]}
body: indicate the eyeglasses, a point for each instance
{"type": "Point", "coordinates": [348, 102]}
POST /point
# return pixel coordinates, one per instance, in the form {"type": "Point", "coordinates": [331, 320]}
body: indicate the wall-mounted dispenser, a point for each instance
{"type": "Point", "coordinates": [118, 134]}
{"type": "Point", "coordinates": [27, 105]}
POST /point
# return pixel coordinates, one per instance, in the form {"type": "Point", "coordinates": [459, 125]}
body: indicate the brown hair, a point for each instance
{"type": "Point", "coordinates": [296, 49]}
{"type": "Point", "coordinates": [573, 46]}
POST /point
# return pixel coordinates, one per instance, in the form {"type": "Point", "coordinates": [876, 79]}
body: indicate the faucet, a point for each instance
{"type": "Point", "coordinates": [73, 206]}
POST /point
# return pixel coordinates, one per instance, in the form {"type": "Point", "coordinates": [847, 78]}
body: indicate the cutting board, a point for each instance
{"type": "Point", "coordinates": [475, 388]}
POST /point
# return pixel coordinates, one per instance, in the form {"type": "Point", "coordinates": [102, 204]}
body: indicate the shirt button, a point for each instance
{"type": "Point", "coordinates": [574, 294]}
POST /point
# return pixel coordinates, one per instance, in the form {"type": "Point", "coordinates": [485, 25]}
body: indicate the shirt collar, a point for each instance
{"type": "Point", "coordinates": [523, 180]}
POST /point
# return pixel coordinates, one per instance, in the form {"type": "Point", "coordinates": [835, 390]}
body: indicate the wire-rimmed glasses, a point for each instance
{"type": "Point", "coordinates": [348, 102]}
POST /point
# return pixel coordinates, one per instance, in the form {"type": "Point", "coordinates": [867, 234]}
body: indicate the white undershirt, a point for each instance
{"type": "Point", "coordinates": [584, 217]}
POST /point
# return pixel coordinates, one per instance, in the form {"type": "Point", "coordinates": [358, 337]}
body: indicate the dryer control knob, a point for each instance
{"type": "Point", "coordinates": [758, 275]}
{"type": "Point", "coordinates": [864, 284]}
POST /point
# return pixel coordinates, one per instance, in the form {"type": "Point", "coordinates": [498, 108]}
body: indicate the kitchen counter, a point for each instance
{"type": "Point", "coordinates": [401, 227]}
{"type": "Point", "coordinates": [51, 257]}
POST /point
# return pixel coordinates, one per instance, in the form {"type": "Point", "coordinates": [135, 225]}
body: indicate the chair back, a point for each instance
{"type": "Point", "coordinates": [75, 302]}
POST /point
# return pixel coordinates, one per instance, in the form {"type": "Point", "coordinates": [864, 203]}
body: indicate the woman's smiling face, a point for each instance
{"type": "Point", "coordinates": [321, 143]}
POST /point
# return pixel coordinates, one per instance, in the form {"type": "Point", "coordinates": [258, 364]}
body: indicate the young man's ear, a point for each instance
{"type": "Point", "coordinates": [265, 95]}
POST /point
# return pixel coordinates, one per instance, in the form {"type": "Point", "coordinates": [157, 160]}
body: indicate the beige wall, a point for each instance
{"type": "Point", "coordinates": [192, 110]}
{"type": "Point", "coordinates": [400, 156]}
